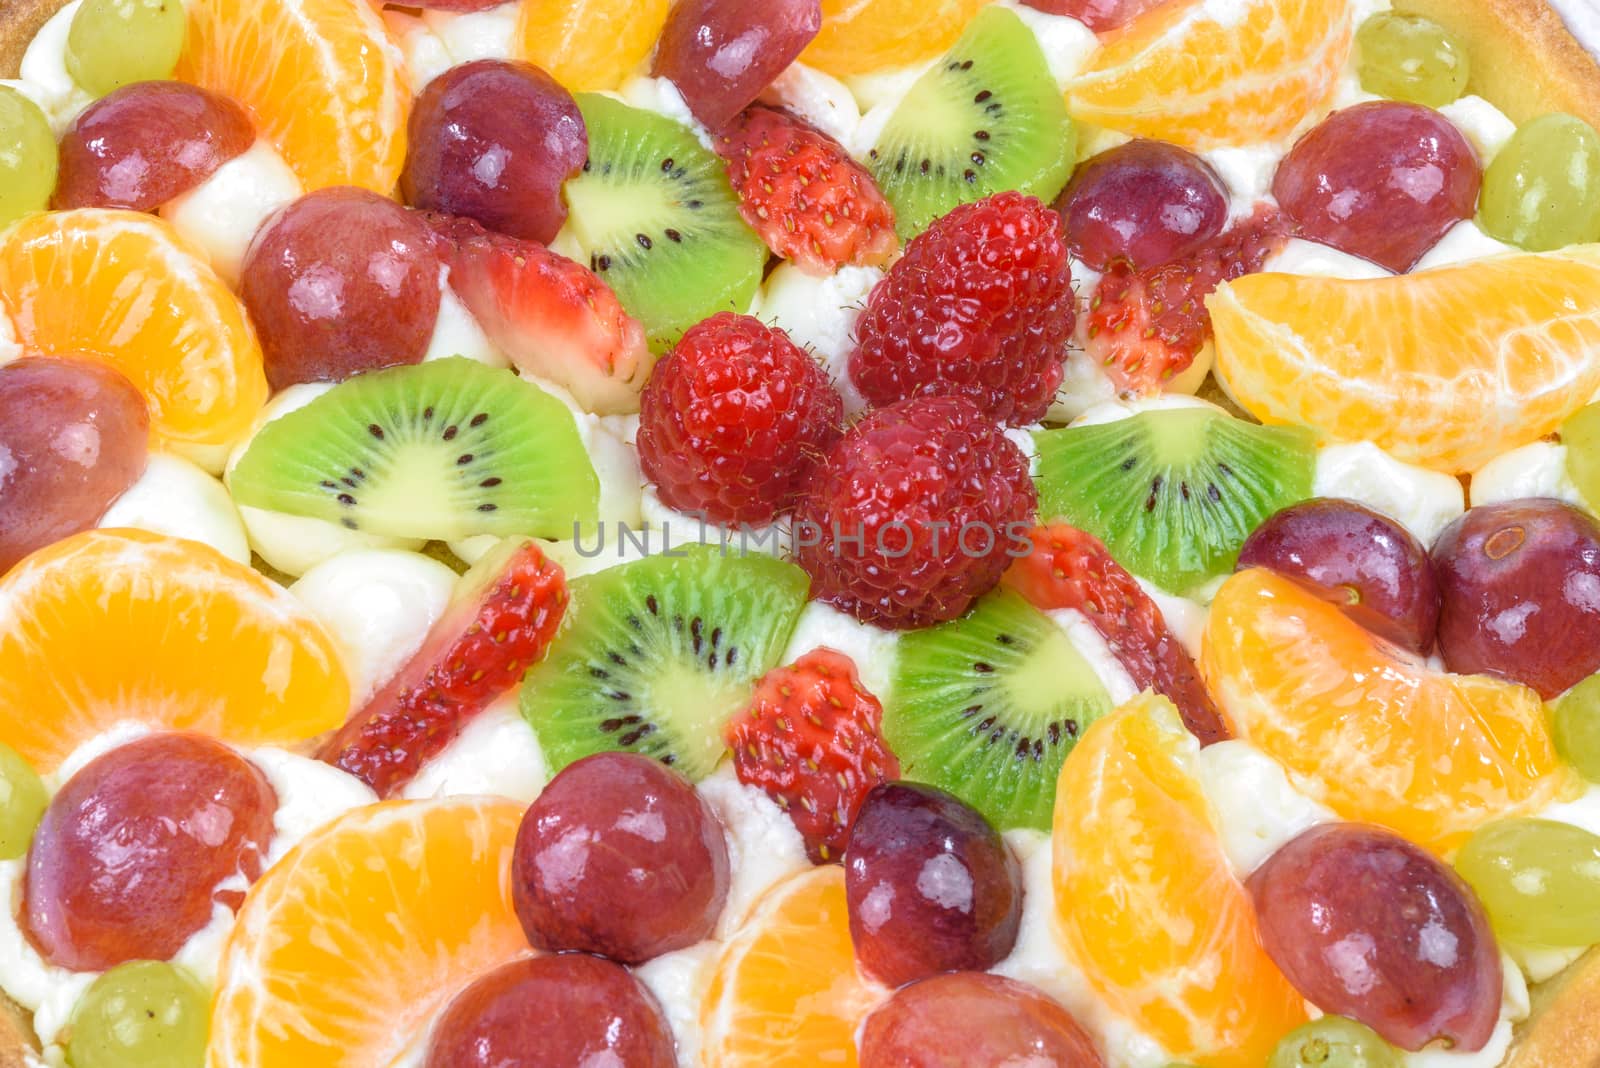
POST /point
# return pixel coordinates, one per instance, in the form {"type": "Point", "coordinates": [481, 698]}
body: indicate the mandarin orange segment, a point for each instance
{"type": "Point", "coordinates": [113, 626]}
{"type": "Point", "coordinates": [320, 77]}
{"type": "Point", "coordinates": [1373, 732]}
{"type": "Point", "coordinates": [348, 946]}
{"type": "Point", "coordinates": [785, 992]}
{"type": "Point", "coordinates": [126, 288]}
{"type": "Point", "coordinates": [1196, 76]}
{"type": "Point", "coordinates": [866, 36]}
{"type": "Point", "coordinates": [1146, 902]}
{"type": "Point", "coordinates": [1446, 368]}
{"type": "Point", "coordinates": [589, 45]}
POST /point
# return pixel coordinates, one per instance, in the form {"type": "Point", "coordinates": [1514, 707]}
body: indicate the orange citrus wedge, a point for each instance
{"type": "Point", "coordinates": [863, 36]}
{"type": "Point", "coordinates": [1146, 902]}
{"type": "Point", "coordinates": [320, 77]}
{"type": "Point", "coordinates": [589, 45]}
{"type": "Point", "coordinates": [785, 992]}
{"type": "Point", "coordinates": [1197, 76]}
{"type": "Point", "coordinates": [113, 626]}
{"type": "Point", "coordinates": [125, 287]}
{"type": "Point", "coordinates": [348, 946]}
{"type": "Point", "coordinates": [1446, 368]}
{"type": "Point", "coordinates": [1367, 729]}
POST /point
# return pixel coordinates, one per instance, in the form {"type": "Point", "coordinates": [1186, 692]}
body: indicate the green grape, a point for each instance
{"type": "Point", "coordinates": [114, 43]}
{"type": "Point", "coordinates": [27, 157]}
{"type": "Point", "coordinates": [1333, 1042]}
{"type": "Point", "coordinates": [143, 1014]}
{"type": "Point", "coordinates": [1408, 57]}
{"type": "Point", "coordinates": [1543, 189]}
{"type": "Point", "coordinates": [1540, 881]}
{"type": "Point", "coordinates": [22, 803]}
{"type": "Point", "coordinates": [1575, 724]}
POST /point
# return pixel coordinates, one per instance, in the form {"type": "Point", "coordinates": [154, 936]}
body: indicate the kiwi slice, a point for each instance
{"type": "Point", "coordinates": [989, 705]}
{"type": "Point", "coordinates": [654, 215]}
{"type": "Point", "coordinates": [440, 451]}
{"type": "Point", "coordinates": [656, 655]}
{"type": "Point", "coordinates": [1173, 492]}
{"type": "Point", "coordinates": [987, 117]}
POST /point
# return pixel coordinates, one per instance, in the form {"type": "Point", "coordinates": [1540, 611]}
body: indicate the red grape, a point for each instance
{"type": "Point", "coordinates": [456, 5]}
{"type": "Point", "coordinates": [494, 140]}
{"type": "Point", "coordinates": [1362, 561]}
{"type": "Point", "coordinates": [961, 1019]}
{"type": "Point", "coordinates": [1100, 16]}
{"type": "Point", "coordinates": [126, 862]}
{"type": "Point", "coordinates": [567, 1011]}
{"type": "Point", "coordinates": [339, 282]}
{"type": "Point", "coordinates": [931, 886]}
{"type": "Point", "coordinates": [1382, 180]}
{"type": "Point", "coordinates": [74, 435]}
{"type": "Point", "coordinates": [1144, 202]}
{"type": "Point", "coordinates": [1369, 926]}
{"type": "Point", "coordinates": [619, 856]}
{"type": "Point", "coordinates": [143, 144]}
{"type": "Point", "coordinates": [722, 53]}
{"type": "Point", "coordinates": [1521, 584]}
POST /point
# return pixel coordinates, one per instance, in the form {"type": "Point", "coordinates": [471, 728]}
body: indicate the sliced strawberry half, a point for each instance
{"type": "Point", "coordinates": [498, 626]}
{"type": "Point", "coordinates": [553, 317]}
{"type": "Point", "coordinates": [1069, 568]}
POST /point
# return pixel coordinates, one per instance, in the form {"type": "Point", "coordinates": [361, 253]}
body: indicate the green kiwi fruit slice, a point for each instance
{"type": "Point", "coordinates": [441, 450]}
{"type": "Point", "coordinates": [654, 215]}
{"type": "Point", "coordinates": [656, 655]}
{"type": "Point", "coordinates": [986, 118]}
{"type": "Point", "coordinates": [1173, 492]}
{"type": "Point", "coordinates": [989, 705]}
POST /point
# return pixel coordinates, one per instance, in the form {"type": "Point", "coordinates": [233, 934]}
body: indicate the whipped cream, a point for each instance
{"type": "Point", "coordinates": [820, 315]}
{"type": "Point", "coordinates": [1535, 470]}
{"type": "Point", "coordinates": [44, 76]}
{"type": "Point", "coordinates": [496, 753]}
{"type": "Point", "coordinates": [176, 498]}
{"type": "Point", "coordinates": [222, 214]}
{"type": "Point", "coordinates": [1422, 501]}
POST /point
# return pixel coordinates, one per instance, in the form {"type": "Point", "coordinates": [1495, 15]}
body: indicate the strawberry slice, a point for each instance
{"type": "Point", "coordinates": [1146, 327]}
{"type": "Point", "coordinates": [812, 738]}
{"type": "Point", "coordinates": [553, 317]}
{"type": "Point", "coordinates": [1071, 569]}
{"type": "Point", "coordinates": [800, 190]}
{"type": "Point", "coordinates": [500, 624]}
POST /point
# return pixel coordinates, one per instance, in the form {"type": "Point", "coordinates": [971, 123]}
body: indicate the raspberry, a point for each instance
{"type": "Point", "coordinates": [733, 420]}
{"type": "Point", "coordinates": [911, 516]}
{"type": "Point", "coordinates": [980, 306]}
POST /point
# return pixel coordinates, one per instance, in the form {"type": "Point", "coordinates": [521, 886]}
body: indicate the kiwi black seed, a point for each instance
{"type": "Point", "coordinates": [442, 450]}
{"type": "Point", "coordinates": [656, 655]}
{"type": "Point", "coordinates": [654, 215]}
{"type": "Point", "coordinates": [989, 705]}
{"type": "Point", "coordinates": [1173, 492]}
{"type": "Point", "coordinates": [987, 117]}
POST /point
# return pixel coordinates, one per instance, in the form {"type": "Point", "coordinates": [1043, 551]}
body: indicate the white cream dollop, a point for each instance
{"type": "Point", "coordinates": [820, 315]}
{"type": "Point", "coordinates": [1422, 501]}
{"type": "Point", "coordinates": [1258, 811]}
{"type": "Point", "coordinates": [873, 649]}
{"type": "Point", "coordinates": [496, 754]}
{"type": "Point", "coordinates": [1464, 241]}
{"type": "Point", "coordinates": [1066, 42]}
{"type": "Point", "coordinates": [222, 214]}
{"type": "Point", "coordinates": [175, 498]}
{"type": "Point", "coordinates": [820, 99]}
{"type": "Point", "coordinates": [44, 77]}
{"type": "Point", "coordinates": [1302, 257]}
{"type": "Point", "coordinates": [1535, 470]}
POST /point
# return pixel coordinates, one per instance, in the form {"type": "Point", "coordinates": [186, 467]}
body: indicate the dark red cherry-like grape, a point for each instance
{"type": "Point", "coordinates": [566, 1011]}
{"type": "Point", "coordinates": [459, 6]}
{"type": "Point", "coordinates": [1521, 584]}
{"type": "Point", "coordinates": [1100, 16]}
{"type": "Point", "coordinates": [74, 435]}
{"type": "Point", "coordinates": [126, 862]}
{"type": "Point", "coordinates": [1144, 203]}
{"type": "Point", "coordinates": [931, 885]}
{"type": "Point", "coordinates": [961, 1019]}
{"type": "Point", "coordinates": [339, 282]}
{"type": "Point", "coordinates": [143, 144]}
{"type": "Point", "coordinates": [1369, 926]}
{"type": "Point", "coordinates": [1358, 559]}
{"type": "Point", "coordinates": [619, 856]}
{"type": "Point", "coordinates": [1382, 180]}
{"type": "Point", "coordinates": [494, 140]}
{"type": "Point", "coordinates": [722, 53]}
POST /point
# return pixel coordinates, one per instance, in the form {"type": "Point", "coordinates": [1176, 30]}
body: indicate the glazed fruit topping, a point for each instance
{"type": "Point", "coordinates": [23, 800]}
{"type": "Point", "coordinates": [146, 143]}
{"type": "Point", "coordinates": [1334, 1042]}
{"type": "Point", "coordinates": [1539, 880]}
{"type": "Point", "coordinates": [1408, 57]}
{"type": "Point", "coordinates": [143, 1014]}
{"type": "Point", "coordinates": [734, 420]}
{"type": "Point", "coordinates": [131, 854]}
{"type": "Point", "coordinates": [500, 625]}
{"type": "Point", "coordinates": [907, 520]}
{"type": "Point", "coordinates": [27, 157]}
{"type": "Point", "coordinates": [619, 856]}
{"type": "Point", "coordinates": [980, 306]}
{"type": "Point", "coordinates": [812, 740]}
{"type": "Point", "coordinates": [800, 190]}
{"type": "Point", "coordinates": [722, 53]}
{"type": "Point", "coordinates": [1542, 190]}
{"type": "Point", "coordinates": [1143, 203]}
{"type": "Point", "coordinates": [494, 140]}
{"type": "Point", "coordinates": [1067, 568]}
{"type": "Point", "coordinates": [114, 43]}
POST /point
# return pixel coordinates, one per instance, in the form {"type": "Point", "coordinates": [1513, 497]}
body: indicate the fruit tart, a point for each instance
{"type": "Point", "coordinates": [699, 534]}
